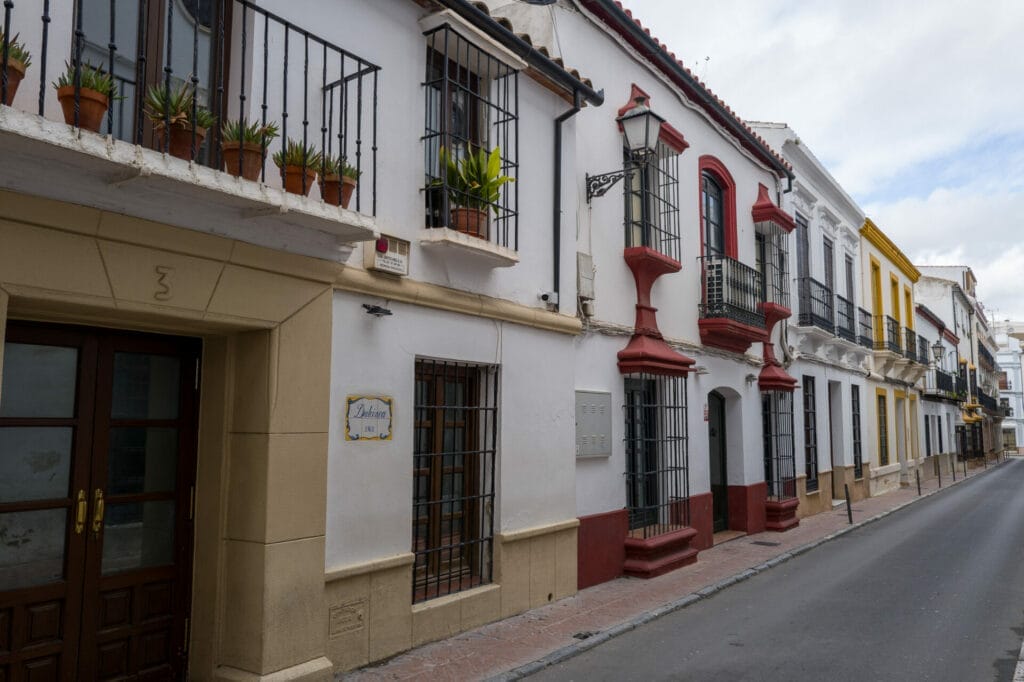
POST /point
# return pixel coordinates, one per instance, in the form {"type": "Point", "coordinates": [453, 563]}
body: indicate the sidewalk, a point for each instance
{"type": "Point", "coordinates": [522, 644]}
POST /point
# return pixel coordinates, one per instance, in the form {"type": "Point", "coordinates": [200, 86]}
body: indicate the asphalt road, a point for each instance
{"type": "Point", "coordinates": [932, 592]}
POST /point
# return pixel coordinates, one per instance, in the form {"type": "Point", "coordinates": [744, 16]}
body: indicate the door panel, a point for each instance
{"type": "Point", "coordinates": [717, 452]}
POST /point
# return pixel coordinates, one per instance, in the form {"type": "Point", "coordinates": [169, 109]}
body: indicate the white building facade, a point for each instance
{"type": "Point", "coordinates": [1011, 383]}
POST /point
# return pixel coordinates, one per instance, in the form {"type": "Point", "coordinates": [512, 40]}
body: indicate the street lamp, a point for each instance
{"type": "Point", "coordinates": [937, 352]}
{"type": "Point", "coordinates": [640, 130]}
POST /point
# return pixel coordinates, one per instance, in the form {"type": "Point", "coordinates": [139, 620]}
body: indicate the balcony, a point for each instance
{"type": "Point", "coordinates": [890, 340]}
{"type": "Point", "coordinates": [815, 305]}
{"type": "Point", "coordinates": [865, 333]}
{"type": "Point", "coordinates": [961, 388]}
{"type": "Point", "coordinates": [985, 358]}
{"type": "Point", "coordinates": [731, 317]}
{"type": "Point", "coordinates": [844, 320]}
{"type": "Point", "coordinates": [201, 72]}
{"type": "Point", "coordinates": [910, 346]}
{"type": "Point", "coordinates": [940, 384]}
{"type": "Point", "coordinates": [988, 403]}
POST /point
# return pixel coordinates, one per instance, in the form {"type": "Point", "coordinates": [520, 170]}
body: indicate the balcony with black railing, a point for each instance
{"type": "Point", "coordinates": [988, 403]}
{"type": "Point", "coordinates": [865, 329]}
{"type": "Point", "coordinates": [940, 384]}
{"type": "Point", "coordinates": [890, 340]}
{"type": "Point", "coordinates": [730, 311]}
{"type": "Point", "coordinates": [985, 357]}
{"type": "Point", "coordinates": [815, 305]}
{"type": "Point", "coordinates": [910, 344]}
{"type": "Point", "coordinates": [239, 118]}
{"type": "Point", "coordinates": [844, 320]}
{"type": "Point", "coordinates": [960, 387]}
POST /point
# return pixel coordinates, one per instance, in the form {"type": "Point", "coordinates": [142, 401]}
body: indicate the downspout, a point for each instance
{"type": "Point", "coordinates": [556, 246]}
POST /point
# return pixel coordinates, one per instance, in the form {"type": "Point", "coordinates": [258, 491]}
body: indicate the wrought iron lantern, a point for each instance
{"type": "Point", "coordinates": [937, 350]}
{"type": "Point", "coordinates": [640, 130]}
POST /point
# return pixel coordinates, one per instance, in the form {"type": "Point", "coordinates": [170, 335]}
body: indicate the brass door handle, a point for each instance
{"type": "Point", "coordinates": [80, 512]}
{"type": "Point", "coordinates": [97, 511]}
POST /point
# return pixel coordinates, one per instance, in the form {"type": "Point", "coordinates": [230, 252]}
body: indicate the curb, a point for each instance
{"type": "Point", "coordinates": [570, 650]}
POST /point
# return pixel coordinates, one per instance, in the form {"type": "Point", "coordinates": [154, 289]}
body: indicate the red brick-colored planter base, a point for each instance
{"type": "Point", "coordinates": [651, 557]}
{"type": "Point", "coordinates": [781, 516]}
{"type": "Point", "coordinates": [600, 550]}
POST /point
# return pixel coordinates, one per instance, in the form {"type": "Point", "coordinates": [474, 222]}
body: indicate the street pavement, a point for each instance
{"type": "Point", "coordinates": [934, 592]}
{"type": "Point", "coordinates": [514, 647]}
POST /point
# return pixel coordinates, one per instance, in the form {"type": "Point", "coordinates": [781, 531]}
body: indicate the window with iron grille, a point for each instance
{"type": "Point", "coordinates": [472, 103]}
{"type": "Point", "coordinates": [771, 256]}
{"type": "Point", "coordinates": [657, 464]}
{"type": "Point", "coordinates": [456, 415]}
{"type": "Point", "coordinates": [858, 456]}
{"type": "Point", "coordinates": [652, 200]}
{"type": "Point", "coordinates": [883, 433]}
{"type": "Point", "coordinates": [779, 451]}
{"type": "Point", "coordinates": [713, 214]}
{"type": "Point", "coordinates": [810, 435]}
{"type": "Point", "coordinates": [938, 430]}
{"type": "Point", "coordinates": [927, 437]}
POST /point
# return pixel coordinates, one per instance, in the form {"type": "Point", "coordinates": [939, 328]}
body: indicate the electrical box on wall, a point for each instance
{"type": "Point", "coordinates": [387, 254]}
{"type": "Point", "coordinates": [585, 275]}
{"type": "Point", "coordinates": [593, 424]}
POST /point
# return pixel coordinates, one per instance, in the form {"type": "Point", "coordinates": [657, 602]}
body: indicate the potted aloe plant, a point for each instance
{"type": "Point", "coordinates": [298, 164]}
{"type": "Point", "coordinates": [246, 143]}
{"type": "Point", "coordinates": [474, 184]}
{"type": "Point", "coordinates": [173, 109]}
{"type": "Point", "coordinates": [338, 180]}
{"type": "Point", "coordinates": [96, 91]}
{"type": "Point", "coordinates": [18, 61]}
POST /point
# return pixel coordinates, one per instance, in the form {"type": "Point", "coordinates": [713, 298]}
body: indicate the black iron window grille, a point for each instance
{"type": "Point", "coordinates": [890, 340]}
{"type": "Point", "coordinates": [973, 373]}
{"type": "Point", "coordinates": [652, 200]}
{"type": "Point", "coordinates": [961, 442]}
{"type": "Point", "coordinates": [810, 435]}
{"type": "Point", "coordinates": [910, 347]}
{"type": "Point", "coordinates": [858, 456]}
{"type": "Point", "coordinates": [924, 350]}
{"type": "Point", "coordinates": [657, 460]}
{"type": "Point", "coordinates": [454, 465]}
{"type": "Point", "coordinates": [961, 386]}
{"type": "Point", "coordinates": [927, 436]}
{"type": "Point", "coordinates": [844, 319]}
{"type": "Point", "coordinates": [471, 110]}
{"type": "Point", "coordinates": [883, 432]}
{"type": "Point", "coordinates": [938, 431]}
{"type": "Point", "coordinates": [772, 257]}
{"type": "Point", "coordinates": [222, 64]}
{"type": "Point", "coordinates": [986, 356]}
{"type": "Point", "coordinates": [732, 290]}
{"type": "Point", "coordinates": [779, 451]}
{"type": "Point", "coordinates": [816, 305]}
{"type": "Point", "coordinates": [939, 383]}
{"type": "Point", "coordinates": [864, 329]}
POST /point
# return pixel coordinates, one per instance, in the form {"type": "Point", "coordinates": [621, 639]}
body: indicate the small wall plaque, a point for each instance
{"type": "Point", "coordinates": [368, 417]}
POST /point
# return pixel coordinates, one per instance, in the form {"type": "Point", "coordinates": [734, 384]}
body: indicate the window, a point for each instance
{"type": "Point", "coordinates": [713, 215]}
{"type": "Point", "coordinates": [850, 281]}
{"type": "Point", "coordinates": [779, 457]}
{"type": "Point", "coordinates": [810, 435]}
{"type": "Point", "coordinates": [657, 476]}
{"type": "Point", "coordinates": [803, 267]}
{"type": "Point", "coordinates": [453, 477]}
{"type": "Point", "coordinates": [883, 433]}
{"type": "Point", "coordinates": [771, 257]}
{"type": "Point", "coordinates": [938, 430]}
{"type": "Point", "coordinates": [858, 457]}
{"type": "Point", "coordinates": [829, 256]}
{"type": "Point", "coordinates": [652, 201]}
{"type": "Point", "coordinates": [927, 437]}
{"type": "Point", "coordinates": [471, 107]}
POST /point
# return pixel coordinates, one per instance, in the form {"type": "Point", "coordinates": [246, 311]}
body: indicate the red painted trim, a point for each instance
{"type": "Point", "coordinates": [774, 378]}
{"type": "Point", "coordinates": [668, 133]}
{"type": "Point", "coordinates": [951, 337]}
{"type": "Point", "coordinates": [716, 168]}
{"type": "Point", "coordinates": [781, 516]}
{"type": "Point", "coordinates": [746, 507]}
{"type": "Point", "coordinates": [702, 518]}
{"type": "Point", "coordinates": [601, 552]}
{"type": "Point", "coordinates": [765, 210]}
{"type": "Point", "coordinates": [651, 557]}
{"type": "Point", "coordinates": [727, 334]}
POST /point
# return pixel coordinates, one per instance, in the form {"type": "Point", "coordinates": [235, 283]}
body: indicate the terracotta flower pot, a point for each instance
{"type": "Point", "coordinates": [181, 141]}
{"type": "Point", "coordinates": [92, 107]}
{"type": "Point", "coordinates": [337, 190]}
{"type": "Point", "coordinates": [15, 72]}
{"type": "Point", "coordinates": [252, 159]}
{"type": "Point", "coordinates": [471, 221]}
{"type": "Point", "coordinates": [293, 179]}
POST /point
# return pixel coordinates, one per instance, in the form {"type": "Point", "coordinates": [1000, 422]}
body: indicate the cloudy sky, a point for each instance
{"type": "Point", "coordinates": [916, 107]}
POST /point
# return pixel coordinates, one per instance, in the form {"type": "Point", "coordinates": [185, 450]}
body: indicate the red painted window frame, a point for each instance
{"type": "Point", "coordinates": [711, 165]}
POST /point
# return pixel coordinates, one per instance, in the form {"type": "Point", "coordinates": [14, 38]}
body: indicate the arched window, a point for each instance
{"type": "Point", "coordinates": [713, 215]}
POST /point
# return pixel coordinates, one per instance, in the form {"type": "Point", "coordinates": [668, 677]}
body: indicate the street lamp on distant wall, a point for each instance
{"type": "Point", "coordinates": [937, 350]}
{"type": "Point", "coordinates": [641, 128]}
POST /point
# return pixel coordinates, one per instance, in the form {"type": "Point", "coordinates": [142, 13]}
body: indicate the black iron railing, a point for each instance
{"type": "Point", "coordinates": [910, 345]}
{"type": "Point", "coordinates": [985, 356]}
{"type": "Point", "coordinates": [652, 200]}
{"type": "Point", "coordinates": [960, 387]}
{"type": "Point", "coordinates": [779, 449]}
{"type": "Point", "coordinates": [858, 457]}
{"type": "Point", "coordinates": [815, 304]}
{"type": "Point", "coordinates": [731, 290]}
{"type": "Point", "coordinates": [987, 402]}
{"type": "Point", "coordinates": [228, 63]}
{"type": "Point", "coordinates": [844, 319]}
{"type": "Point", "coordinates": [937, 382]}
{"type": "Point", "coordinates": [890, 334]}
{"type": "Point", "coordinates": [864, 328]}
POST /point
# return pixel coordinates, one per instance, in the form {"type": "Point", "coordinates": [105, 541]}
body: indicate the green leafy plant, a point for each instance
{"type": "Point", "coordinates": [337, 165]}
{"type": "Point", "coordinates": [238, 131]}
{"type": "Point", "coordinates": [15, 50]}
{"type": "Point", "coordinates": [175, 106]}
{"type": "Point", "coordinates": [296, 154]}
{"type": "Point", "coordinates": [91, 79]}
{"type": "Point", "coordinates": [475, 181]}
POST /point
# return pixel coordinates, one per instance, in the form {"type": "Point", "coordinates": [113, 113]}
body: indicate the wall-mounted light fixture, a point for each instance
{"type": "Point", "coordinates": [640, 130]}
{"type": "Point", "coordinates": [376, 310]}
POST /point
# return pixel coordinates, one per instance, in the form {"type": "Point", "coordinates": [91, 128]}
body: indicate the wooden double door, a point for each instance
{"type": "Point", "coordinates": [97, 465]}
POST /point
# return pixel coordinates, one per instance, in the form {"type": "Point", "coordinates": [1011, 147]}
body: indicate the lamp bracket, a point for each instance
{"type": "Point", "coordinates": [598, 185]}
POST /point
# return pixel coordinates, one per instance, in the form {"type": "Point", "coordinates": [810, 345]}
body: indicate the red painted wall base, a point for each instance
{"type": "Point", "coordinates": [781, 516]}
{"type": "Point", "coordinates": [600, 549]}
{"type": "Point", "coordinates": [651, 557]}
{"type": "Point", "coordinates": [702, 520]}
{"type": "Point", "coordinates": [747, 507]}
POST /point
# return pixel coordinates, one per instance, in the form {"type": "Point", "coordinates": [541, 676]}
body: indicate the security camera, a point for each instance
{"type": "Point", "coordinates": [549, 297]}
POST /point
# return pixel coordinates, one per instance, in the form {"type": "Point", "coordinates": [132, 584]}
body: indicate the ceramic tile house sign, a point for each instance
{"type": "Point", "coordinates": [368, 417]}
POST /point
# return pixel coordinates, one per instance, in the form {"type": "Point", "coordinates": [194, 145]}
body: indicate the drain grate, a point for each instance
{"type": "Point", "coordinates": [765, 543]}
{"type": "Point", "coordinates": [586, 634]}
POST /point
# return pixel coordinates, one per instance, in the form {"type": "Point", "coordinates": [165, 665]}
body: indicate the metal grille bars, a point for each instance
{"type": "Point", "coordinates": [891, 334]}
{"type": "Point", "coordinates": [657, 460]}
{"type": "Point", "coordinates": [779, 457]}
{"type": "Point", "coordinates": [864, 328]}
{"type": "Point", "coordinates": [844, 319]}
{"type": "Point", "coordinates": [652, 200]}
{"type": "Point", "coordinates": [732, 290]}
{"type": "Point", "coordinates": [816, 304]}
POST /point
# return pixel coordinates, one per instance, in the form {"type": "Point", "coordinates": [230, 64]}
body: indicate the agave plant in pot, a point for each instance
{"type": "Point", "coordinates": [298, 164]}
{"type": "Point", "coordinates": [175, 110]}
{"type": "Point", "coordinates": [245, 146]}
{"type": "Point", "coordinates": [338, 180]}
{"type": "Point", "coordinates": [18, 61]}
{"type": "Point", "coordinates": [474, 184]}
{"type": "Point", "coordinates": [95, 91]}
